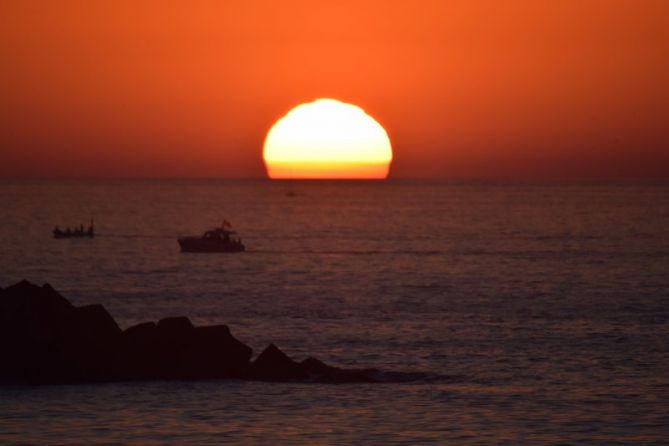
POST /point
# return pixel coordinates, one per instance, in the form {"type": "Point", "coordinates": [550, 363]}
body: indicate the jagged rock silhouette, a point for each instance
{"type": "Point", "coordinates": [44, 339]}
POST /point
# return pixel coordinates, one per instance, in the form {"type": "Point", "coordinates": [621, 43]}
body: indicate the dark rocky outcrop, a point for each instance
{"type": "Point", "coordinates": [175, 349]}
{"type": "Point", "coordinates": [33, 328]}
{"type": "Point", "coordinates": [45, 339]}
{"type": "Point", "coordinates": [326, 373]}
{"type": "Point", "coordinates": [274, 365]}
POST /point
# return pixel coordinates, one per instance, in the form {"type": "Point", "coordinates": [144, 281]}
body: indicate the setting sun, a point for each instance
{"type": "Point", "coordinates": [327, 139]}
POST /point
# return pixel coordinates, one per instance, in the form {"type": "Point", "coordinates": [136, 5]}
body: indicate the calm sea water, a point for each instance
{"type": "Point", "coordinates": [513, 313]}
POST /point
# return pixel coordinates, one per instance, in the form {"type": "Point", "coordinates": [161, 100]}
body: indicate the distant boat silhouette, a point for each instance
{"type": "Point", "coordinates": [215, 240]}
{"type": "Point", "coordinates": [76, 232]}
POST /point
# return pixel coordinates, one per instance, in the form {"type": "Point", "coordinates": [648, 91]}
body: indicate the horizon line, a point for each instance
{"type": "Point", "coordinates": [464, 179]}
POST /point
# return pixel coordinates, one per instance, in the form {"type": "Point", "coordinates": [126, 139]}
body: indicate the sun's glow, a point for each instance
{"type": "Point", "coordinates": [327, 139]}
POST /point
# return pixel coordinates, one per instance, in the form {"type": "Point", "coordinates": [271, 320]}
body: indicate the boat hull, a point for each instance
{"type": "Point", "coordinates": [72, 235]}
{"type": "Point", "coordinates": [197, 244]}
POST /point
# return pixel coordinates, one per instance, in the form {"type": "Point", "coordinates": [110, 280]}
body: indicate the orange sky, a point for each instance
{"type": "Point", "coordinates": [465, 89]}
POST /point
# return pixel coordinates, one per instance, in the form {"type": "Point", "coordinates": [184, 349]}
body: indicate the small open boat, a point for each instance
{"type": "Point", "coordinates": [76, 232]}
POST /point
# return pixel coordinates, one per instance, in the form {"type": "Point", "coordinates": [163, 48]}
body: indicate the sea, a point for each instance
{"type": "Point", "coordinates": [497, 313]}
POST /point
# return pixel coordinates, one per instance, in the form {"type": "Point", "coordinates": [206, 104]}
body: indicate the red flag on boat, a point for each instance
{"type": "Point", "coordinates": [226, 224]}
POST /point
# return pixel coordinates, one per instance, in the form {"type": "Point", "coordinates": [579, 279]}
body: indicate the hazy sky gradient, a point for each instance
{"type": "Point", "coordinates": [465, 89]}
